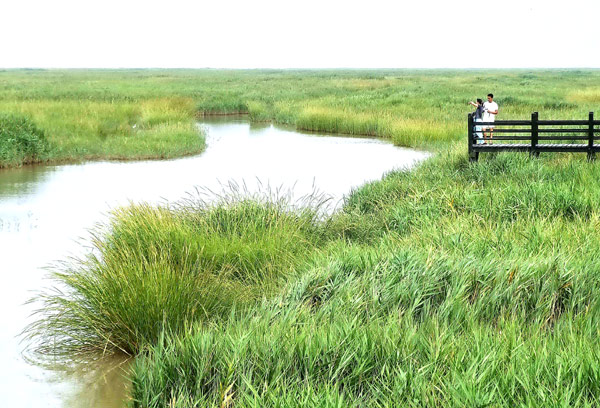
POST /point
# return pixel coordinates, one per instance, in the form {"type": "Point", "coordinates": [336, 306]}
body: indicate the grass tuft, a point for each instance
{"type": "Point", "coordinates": [21, 141]}
{"type": "Point", "coordinates": [163, 269]}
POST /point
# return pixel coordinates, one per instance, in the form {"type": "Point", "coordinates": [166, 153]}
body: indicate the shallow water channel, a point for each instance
{"type": "Point", "coordinates": [46, 212]}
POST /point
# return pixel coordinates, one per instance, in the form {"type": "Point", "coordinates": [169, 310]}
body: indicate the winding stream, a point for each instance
{"type": "Point", "coordinates": [45, 211]}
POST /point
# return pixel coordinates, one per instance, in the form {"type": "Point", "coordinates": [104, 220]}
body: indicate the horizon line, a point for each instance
{"type": "Point", "coordinates": [296, 69]}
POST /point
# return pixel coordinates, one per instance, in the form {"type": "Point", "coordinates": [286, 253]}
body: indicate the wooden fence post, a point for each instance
{"type": "Point", "coordinates": [534, 135]}
{"type": "Point", "coordinates": [473, 156]}
{"type": "Point", "coordinates": [591, 153]}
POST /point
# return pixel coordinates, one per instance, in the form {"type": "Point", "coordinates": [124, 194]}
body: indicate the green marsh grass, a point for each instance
{"type": "Point", "coordinates": [21, 141]}
{"type": "Point", "coordinates": [155, 269]}
{"type": "Point", "coordinates": [295, 359]}
{"type": "Point", "coordinates": [89, 130]}
{"type": "Point", "coordinates": [91, 114]}
{"type": "Point", "coordinates": [455, 284]}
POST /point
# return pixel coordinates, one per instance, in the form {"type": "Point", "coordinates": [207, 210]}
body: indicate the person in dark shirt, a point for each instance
{"type": "Point", "coordinates": [478, 117]}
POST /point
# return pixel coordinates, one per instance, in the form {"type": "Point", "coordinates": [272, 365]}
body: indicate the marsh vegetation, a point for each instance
{"type": "Point", "coordinates": [163, 269]}
{"type": "Point", "coordinates": [139, 114]}
{"type": "Point", "coordinates": [455, 284]}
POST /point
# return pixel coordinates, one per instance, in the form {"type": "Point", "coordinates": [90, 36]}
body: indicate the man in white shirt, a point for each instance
{"type": "Point", "coordinates": [489, 115]}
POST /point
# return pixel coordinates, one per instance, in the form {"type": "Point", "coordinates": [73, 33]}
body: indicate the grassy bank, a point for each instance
{"type": "Point", "coordinates": [129, 114]}
{"type": "Point", "coordinates": [454, 285]}
{"type": "Point", "coordinates": [87, 129]}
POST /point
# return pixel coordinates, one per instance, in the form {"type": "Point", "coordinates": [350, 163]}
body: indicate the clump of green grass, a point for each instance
{"type": "Point", "coordinates": [21, 141]}
{"type": "Point", "coordinates": [155, 269]}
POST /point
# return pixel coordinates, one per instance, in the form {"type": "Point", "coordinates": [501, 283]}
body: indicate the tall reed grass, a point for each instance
{"type": "Point", "coordinates": [294, 359]}
{"type": "Point", "coordinates": [87, 129]}
{"type": "Point", "coordinates": [157, 269]}
{"type": "Point", "coordinates": [455, 284]}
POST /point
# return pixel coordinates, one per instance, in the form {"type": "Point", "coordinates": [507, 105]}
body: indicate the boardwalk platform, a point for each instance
{"type": "Point", "coordinates": [535, 136]}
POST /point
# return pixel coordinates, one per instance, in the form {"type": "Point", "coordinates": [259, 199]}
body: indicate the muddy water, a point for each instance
{"type": "Point", "coordinates": [45, 212]}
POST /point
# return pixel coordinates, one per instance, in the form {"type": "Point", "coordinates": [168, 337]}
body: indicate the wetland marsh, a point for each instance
{"type": "Point", "coordinates": [45, 210]}
{"type": "Point", "coordinates": [453, 284]}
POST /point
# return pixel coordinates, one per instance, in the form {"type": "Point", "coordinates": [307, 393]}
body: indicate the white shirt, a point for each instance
{"type": "Point", "coordinates": [489, 106]}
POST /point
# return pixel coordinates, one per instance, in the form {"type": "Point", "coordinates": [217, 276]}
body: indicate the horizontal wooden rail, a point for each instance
{"type": "Point", "coordinates": [529, 134]}
{"type": "Point", "coordinates": [506, 138]}
{"type": "Point", "coordinates": [505, 123]}
{"type": "Point", "coordinates": [563, 138]}
{"type": "Point", "coordinates": [566, 138]}
{"type": "Point", "coordinates": [582, 130]}
{"type": "Point", "coordinates": [562, 122]}
{"type": "Point", "coordinates": [540, 123]}
{"type": "Point", "coordinates": [500, 130]}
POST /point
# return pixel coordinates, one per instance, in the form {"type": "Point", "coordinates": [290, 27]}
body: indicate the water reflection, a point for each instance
{"type": "Point", "coordinates": [254, 126]}
{"type": "Point", "coordinates": [105, 386]}
{"type": "Point", "coordinates": [103, 383]}
{"type": "Point", "coordinates": [24, 181]}
{"type": "Point", "coordinates": [44, 211]}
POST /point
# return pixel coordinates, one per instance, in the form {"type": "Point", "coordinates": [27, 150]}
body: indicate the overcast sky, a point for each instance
{"type": "Point", "coordinates": [300, 34]}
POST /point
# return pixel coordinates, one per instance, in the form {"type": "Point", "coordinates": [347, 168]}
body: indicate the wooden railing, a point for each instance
{"type": "Point", "coordinates": [534, 136]}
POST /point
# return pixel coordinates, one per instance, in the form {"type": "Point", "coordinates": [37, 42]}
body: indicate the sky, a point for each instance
{"type": "Point", "coordinates": [299, 34]}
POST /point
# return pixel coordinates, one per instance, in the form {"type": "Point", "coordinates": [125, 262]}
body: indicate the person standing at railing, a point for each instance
{"type": "Point", "coordinates": [478, 117]}
{"type": "Point", "coordinates": [491, 110]}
